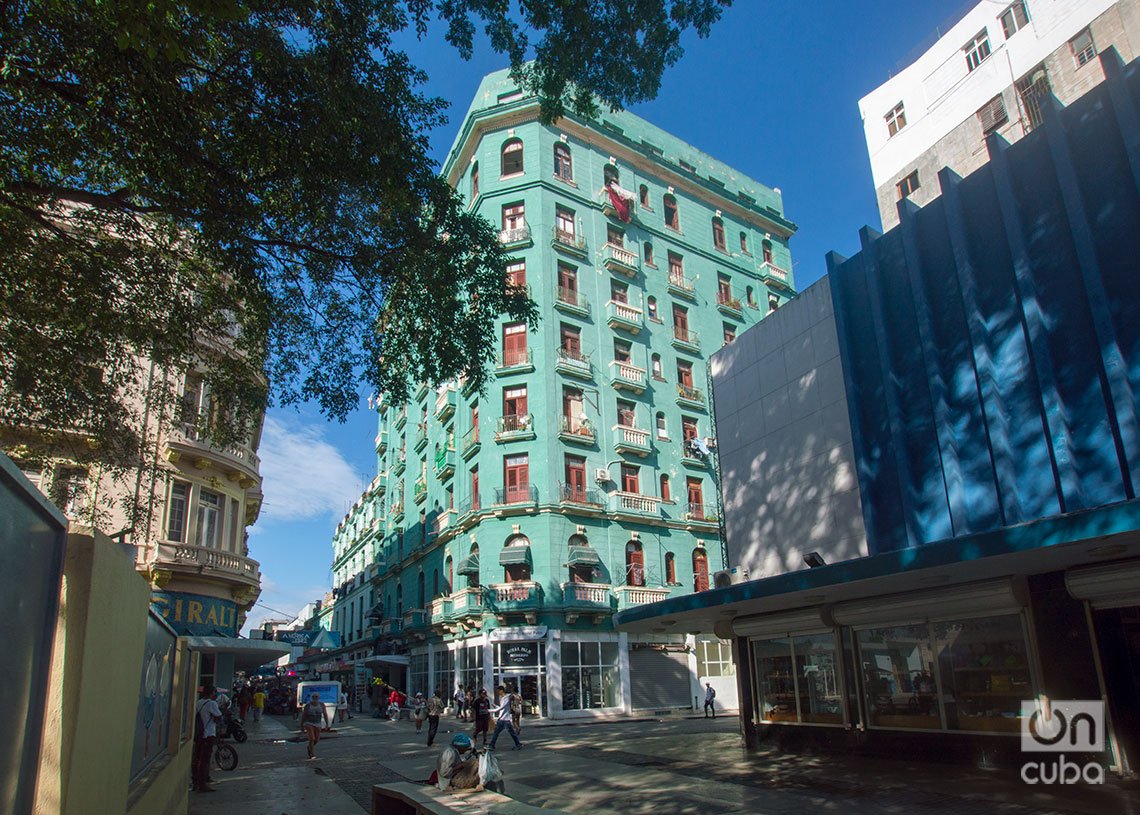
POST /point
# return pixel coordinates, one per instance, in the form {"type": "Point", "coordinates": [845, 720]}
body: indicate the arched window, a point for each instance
{"type": "Point", "coordinates": [400, 600]}
{"type": "Point", "coordinates": [515, 559]}
{"type": "Point", "coordinates": [718, 235]}
{"type": "Point", "coordinates": [420, 594]}
{"type": "Point", "coordinates": [583, 566]}
{"type": "Point", "coordinates": [634, 564]}
{"type": "Point", "coordinates": [563, 164]}
{"type": "Point", "coordinates": [512, 157]}
{"type": "Point", "coordinates": [474, 181]}
{"type": "Point", "coordinates": [750, 296]}
{"type": "Point", "coordinates": [609, 174]}
{"type": "Point", "coordinates": [656, 365]}
{"type": "Point", "coordinates": [665, 488]}
{"type": "Point", "coordinates": [670, 569]}
{"type": "Point", "coordinates": [470, 562]}
{"type": "Point", "coordinates": [643, 196]}
{"type": "Point", "coordinates": [662, 433]}
{"type": "Point", "coordinates": [651, 308]}
{"type": "Point", "coordinates": [773, 302]}
{"type": "Point", "coordinates": [672, 219]}
{"type": "Point", "coordinates": [449, 570]}
{"type": "Point", "coordinates": [649, 253]}
{"type": "Point", "coordinates": [766, 248]}
{"type": "Point", "coordinates": [435, 583]}
{"type": "Point", "coordinates": [744, 243]}
{"type": "Point", "coordinates": [700, 570]}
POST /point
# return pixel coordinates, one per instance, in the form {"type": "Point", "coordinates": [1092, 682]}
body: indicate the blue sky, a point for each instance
{"type": "Point", "coordinates": [773, 92]}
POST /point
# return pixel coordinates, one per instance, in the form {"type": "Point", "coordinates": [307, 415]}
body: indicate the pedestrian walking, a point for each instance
{"type": "Point", "coordinates": [482, 716]}
{"type": "Point", "coordinates": [207, 716]}
{"type": "Point", "coordinates": [258, 703]}
{"type": "Point", "coordinates": [516, 701]}
{"type": "Point", "coordinates": [342, 706]}
{"type": "Point", "coordinates": [469, 702]}
{"type": "Point", "coordinates": [710, 694]}
{"type": "Point", "coordinates": [312, 715]}
{"type": "Point", "coordinates": [419, 710]}
{"type": "Point", "coordinates": [245, 701]}
{"type": "Point", "coordinates": [434, 711]}
{"type": "Point", "coordinates": [502, 714]}
{"type": "Point", "coordinates": [460, 704]}
{"type": "Point", "coordinates": [293, 710]}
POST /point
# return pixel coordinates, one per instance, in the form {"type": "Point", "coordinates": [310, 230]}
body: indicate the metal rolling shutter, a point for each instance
{"type": "Point", "coordinates": [659, 679]}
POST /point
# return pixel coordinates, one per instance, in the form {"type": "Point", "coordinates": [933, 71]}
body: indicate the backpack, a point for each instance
{"type": "Point", "coordinates": [516, 705]}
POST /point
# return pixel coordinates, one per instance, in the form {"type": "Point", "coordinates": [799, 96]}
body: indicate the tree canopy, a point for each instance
{"type": "Point", "coordinates": [177, 171]}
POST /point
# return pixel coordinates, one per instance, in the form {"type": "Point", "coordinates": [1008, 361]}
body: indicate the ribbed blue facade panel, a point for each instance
{"type": "Point", "coordinates": [991, 341]}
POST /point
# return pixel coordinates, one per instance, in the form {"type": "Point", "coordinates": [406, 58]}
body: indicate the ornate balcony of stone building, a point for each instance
{"type": "Point", "coordinates": [631, 440]}
{"type": "Point", "coordinates": [619, 259]}
{"type": "Point", "coordinates": [569, 242]}
{"type": "Point", "coordinates": [624, 316]}
{"type": "Point", "coordinates": [519, 596]}
{"type": "Point", "coordinates": [184, 442]}
{"type": "Point", "coordinates": [573, 363]}
{"type": "Point", "coordinates": [571, 301]}
{"type": "Point", "coordinates": [773, 273]}
{"type": "Point", "coordinates": [686, 339]}
{"type": "Point", "coordinates": [676, 283]}
{"type": "Point", "coordinates": [517, 237]}
{"type": "Point", "coordinates": [626, 376]}
{"type": "Point", "coordinates": [468, 605]}
{"type": "Point", "coordinates": [469, 444]}
{"type": "Point", "coordinates": [630, 596]}
{"type": "Point", "coordinates": [381, 442]}
{"type": "Point", "coordinates": [635, 504]}
{"type": "Point", "coordinates": [439, 614]}
{"type": "Point", "coordinates": [415, 619]}
{"type": "Point", "coordinates": [445, 403]}
{"type": "Point", "coordinates": [595, 599]}
{"type": "Point", "coordinates": [175, 558]}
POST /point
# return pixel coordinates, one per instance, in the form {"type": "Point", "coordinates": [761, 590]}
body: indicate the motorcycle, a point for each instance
{"type": "Point", "coordinates": [234, 728]}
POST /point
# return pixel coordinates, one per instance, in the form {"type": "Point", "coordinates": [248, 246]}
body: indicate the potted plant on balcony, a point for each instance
{"type": "Point", "coordinates": [584, 428]}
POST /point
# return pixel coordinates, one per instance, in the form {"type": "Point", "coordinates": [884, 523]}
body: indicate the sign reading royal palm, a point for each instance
{"type": "Point", "coordinates": [197, 614]}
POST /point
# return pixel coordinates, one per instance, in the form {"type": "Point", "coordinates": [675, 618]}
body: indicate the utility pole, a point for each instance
{"type": "Point", "coordinates": [714, 460]}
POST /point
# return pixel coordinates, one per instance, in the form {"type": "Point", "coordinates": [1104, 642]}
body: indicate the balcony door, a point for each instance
{"type": "Point", "coordinates": [572, 410]}
{"type": "Point", "coordinates": [634, 564]}
{"type": "Point", "coordinates": [514, 344]}
{"type": "Point", "coordinates": [576, 478]}
{"type": "Point", "coordinates": [680, 323]}
{"type": "Point", "coordinates": [696, 499]}
{"type": "Point", "coordinates": [700, 570]}
{"type": "Point", "coordinates": [568, 282]}
{"type": "Point", "coordinates": [516, 479]}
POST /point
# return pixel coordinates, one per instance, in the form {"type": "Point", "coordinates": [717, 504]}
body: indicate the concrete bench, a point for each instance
{"type": "Point", "coordinates": [406, 798]}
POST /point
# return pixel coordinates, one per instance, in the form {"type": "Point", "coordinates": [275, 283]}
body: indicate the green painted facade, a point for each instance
{"type": "Point", "coordinates": [407, 550]}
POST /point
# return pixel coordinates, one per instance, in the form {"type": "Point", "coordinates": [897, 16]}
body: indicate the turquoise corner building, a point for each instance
{"type": "Point", "coordinates": [505, 529]}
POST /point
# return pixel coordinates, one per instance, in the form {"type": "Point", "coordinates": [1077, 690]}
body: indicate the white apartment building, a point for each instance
{"type": "Point", "coordinates": [990, 73]}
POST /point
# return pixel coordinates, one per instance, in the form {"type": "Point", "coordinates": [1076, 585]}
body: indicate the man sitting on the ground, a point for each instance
{"type": "Point", "coordinates": [458, 766]}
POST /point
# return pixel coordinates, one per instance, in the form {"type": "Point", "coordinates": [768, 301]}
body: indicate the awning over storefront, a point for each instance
{"type": "Point", "coordinates": [773, 626]}
{"type": "Point", "coordinates": [387, 659]}
{"type": "Point", "coordinates": [469, 565]}
{"type": "Point", "coordinates": [514, 555]}
{"type": "Point", "coordinates": [1114, 585]}
{"type": "Point", "coordinates": [993, 597]}
{"type": "Point", "coordinates": [583, 556]}
{"type": "Point", "coordinates": [248, 654]}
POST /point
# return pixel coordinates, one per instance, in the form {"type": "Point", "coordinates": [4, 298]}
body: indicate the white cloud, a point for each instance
{"type": "Point", "coordinates": [303, 475]}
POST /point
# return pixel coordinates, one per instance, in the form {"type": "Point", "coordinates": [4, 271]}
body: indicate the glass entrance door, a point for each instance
{"type": "Point", "coordinates": [532, 688]}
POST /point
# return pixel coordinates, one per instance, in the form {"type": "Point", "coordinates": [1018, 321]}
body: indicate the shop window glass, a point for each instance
{"type": "Point", "coordinates": [898, 669]}
{"type": "Point", "coordinates": [817, 679]}
{"type": "Point", "coordinates": [984, 672]}
{"type": "Point", "coordinates": [775, 685]}
{"type": "Point", "coordinates": [589, 675]}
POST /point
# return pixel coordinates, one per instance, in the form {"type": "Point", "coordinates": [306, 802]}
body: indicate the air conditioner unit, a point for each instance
{"type": "Point", "coordinates": [729, 577]}
{"type": "Point", "coordinates": [601, 475]}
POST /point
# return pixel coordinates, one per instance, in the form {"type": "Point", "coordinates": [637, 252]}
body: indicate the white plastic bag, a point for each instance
{"type": "Point", "coordinates": [489, 772]}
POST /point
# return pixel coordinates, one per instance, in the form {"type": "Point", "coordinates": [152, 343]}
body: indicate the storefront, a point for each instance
{"type": "Point", "coordinates": [520, 667]}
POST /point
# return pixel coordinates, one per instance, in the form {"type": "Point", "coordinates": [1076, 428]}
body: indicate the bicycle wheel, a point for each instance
{"type": "Point", "coordinates": [225, 756]}
{"type": "Point", "coordinates": [240, 736]}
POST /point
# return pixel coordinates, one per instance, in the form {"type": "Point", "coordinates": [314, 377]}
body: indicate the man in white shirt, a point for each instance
{"type": "Point", "coordinates": [710, 694]}
{"type": "Point", "coordinates": [502, 714]}
{"type": "Point", "coordinates": [207, 716]}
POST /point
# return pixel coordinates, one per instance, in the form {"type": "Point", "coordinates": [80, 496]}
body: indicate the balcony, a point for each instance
{"type": "Point", "coordinates": [445, 404]}
{"type": "Point", "coordinates": [686, 339]}
{"type": "Point", "coordinates": [619, 259]}
{"type": "Point", "coordinates": [400, 462]}
{"type": "Point", "coordinates": [439, 612]}
{"type": "Point", "coordinates": [207, 562]}
{"type": "Point", "coordinates": [631, 440]}
{"type": "Point", "coordinates": [701, 513]}
{"type": "Point", "coordinates": [581, 497]}
{"type": "Point", "coordinates": [419, 490]}
{"type": "Point", "coordinates": [514, 362]}
{"type": "Point", "coordinates": [466, 386]}
{"type": "Point", "coordinates": [445, 463]}
{"type": "Point", "coordinates": [379, 484]}
{"type": "Point", "coordinates": [571, 301]}
{"type": "Point", "coordinates": [688, 396]}
{"type": "Point", "coordinates": [392, 627]}
{"type": "Point", "coordinates": [633, 503]}
{"type": "Point", "coordinates": [631, 596]}
{"type": "Point", "coordinates": [415, 619]}
{"type": "Point", "coordinates": [401, 418]}
{"type": "Point", "coordinates": [624, 316]}
{"type": "Point", "coordinates": [521, 595]}
{"type": "Point", "coordinates": [240, 462]}
{"type": "Point", "coordinates": [574, 363]}
{"type": "Point", "coordinates": [625, 376]}
{"type": "Point", "coordinates": [517, 237]}
{"type": "Point", "coordinates": [524, 495]}
{"type": "Point", "coordinates": [588, 598]}
{"type": "Point", "coordinates": [468, 510]}
{"type": "Point", "coordinates": [691, 458]}
{"type": "Point", "coordinates": [421, 437]}
{"type": "Point", "coordinates": [729, 305]}
{"type": "Point", "coordinates": [576, 430]}
{"type": "Point", "coordinates": [381, 442]}
{"type": "Point", "coordinates": [678, 284]}
{"type": "Point", "coordinates": [468, 603]}
{"type": "Point", "coordinates": [396, 511]}
{"type": "Point", "coordinates": [519, 427]}
{"type": "Point", "coordinates": [443, 522]}
{"type": "Point", "coordinates": [774, 274]}
{"type": "Point", "coordinates": [469, 444]}
{"type": "Point", "coordinates": [568, 242]}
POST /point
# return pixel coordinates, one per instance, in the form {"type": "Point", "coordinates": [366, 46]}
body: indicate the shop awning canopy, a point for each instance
{"type": "Point", "coordinates": [469, 565]}
{"type": "Point", "coordinates": [583, 556]}
{"type": "Point", "coordinates": [514, 555]}
{"type": "Point", "coordinates": [248, 654]}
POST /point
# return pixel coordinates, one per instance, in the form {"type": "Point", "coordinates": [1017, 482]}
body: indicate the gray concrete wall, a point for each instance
{"type": "Point", "coordinates": [784, 439]}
